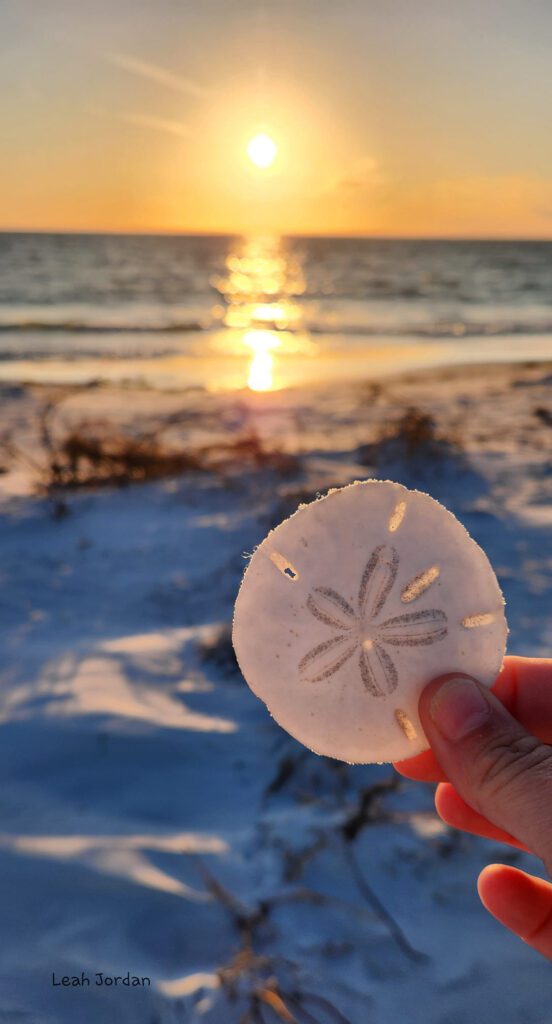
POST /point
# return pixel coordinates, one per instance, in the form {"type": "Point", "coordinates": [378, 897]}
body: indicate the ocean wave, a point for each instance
{"type": "Point", "coordinates": [84, 327]}
{"type": "Point", "coordinates": [29, 355]}
{"type": "Point", "coordinates": [454, 329]}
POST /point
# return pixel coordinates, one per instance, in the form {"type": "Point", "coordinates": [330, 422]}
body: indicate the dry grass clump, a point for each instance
{"type": "Point", "coordinates": [413, 438]}
{"type": "Point", "coordinates": [98, 459]}
{"type": "Point", "coordinates": [248, 451]}
{"type": "Point", "coordinates": [92, 454]}
{"type": "Point", "coordinates": [264, 987]}
{"type": "Point", "coordinates": [92, 458]}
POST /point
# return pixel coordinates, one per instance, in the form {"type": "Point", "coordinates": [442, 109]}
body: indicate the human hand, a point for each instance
{"type": "Point", "coordinates": [489, 755]}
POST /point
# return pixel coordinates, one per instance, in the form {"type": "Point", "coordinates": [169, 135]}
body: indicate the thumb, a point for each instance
{"type": "Point", "coordinates": [499, 769]}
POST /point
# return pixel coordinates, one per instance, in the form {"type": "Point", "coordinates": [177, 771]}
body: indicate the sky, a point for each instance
{"type": "Point", "coordinates": [391, 117]}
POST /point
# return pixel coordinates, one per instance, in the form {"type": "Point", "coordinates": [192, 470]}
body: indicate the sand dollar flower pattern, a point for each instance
{"type": "Point", "coordinates": [359, 631]}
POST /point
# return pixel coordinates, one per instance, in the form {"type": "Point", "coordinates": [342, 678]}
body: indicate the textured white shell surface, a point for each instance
{"type": "Point", "coordinates": [341, 651]}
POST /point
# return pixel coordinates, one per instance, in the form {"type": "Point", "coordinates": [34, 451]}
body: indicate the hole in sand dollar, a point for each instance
{"type": "Point", "coordinates": [420, 583]}
{"type": "Point", "coordinates": [397, 517]}
{"type": "Point", "coordinates": [284, 565]}
{"type": "Point", "coordinates": [405, 724]}
{"type": "Point", "coordinates": [472, 621]}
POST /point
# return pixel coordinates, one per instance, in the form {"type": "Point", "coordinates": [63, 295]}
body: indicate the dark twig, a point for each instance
{"type": "Point", "coordinates": [272, 996]}
{"type": "Point", "coordinates": [369, 807]}
{"type": "Point", "coordinates": [298, 999]}
{"type": "Point", "coordinates": [306, 1016]}
{"type": "Point", "coordinates": [326, 1005]}
{"type": "Point", "coordinates": [377, 906]}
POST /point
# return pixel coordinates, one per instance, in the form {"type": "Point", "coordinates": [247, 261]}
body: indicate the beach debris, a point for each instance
{"type": "Point", "coordinates": [74, 453]}
{"type": "Point", "coordinates": [349, 607]}
{"type": "Point", "coordinates": [414, 437]}
{"type": "Point", "coordinates": [418, 452]}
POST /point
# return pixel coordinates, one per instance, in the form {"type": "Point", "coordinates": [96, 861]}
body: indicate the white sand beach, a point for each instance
{"type": "Point", "coordinates": [155, 820]}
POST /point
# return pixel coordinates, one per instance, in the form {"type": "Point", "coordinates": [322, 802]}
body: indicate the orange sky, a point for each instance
{"type": "Point", "coordinates": [411, 118]}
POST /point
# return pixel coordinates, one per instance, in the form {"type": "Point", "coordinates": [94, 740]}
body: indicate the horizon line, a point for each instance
{"type": "Point", "coordinates": [191, 233]}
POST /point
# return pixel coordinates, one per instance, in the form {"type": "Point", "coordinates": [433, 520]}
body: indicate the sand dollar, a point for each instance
{"type": "Point", "coordinates": [349, 607]}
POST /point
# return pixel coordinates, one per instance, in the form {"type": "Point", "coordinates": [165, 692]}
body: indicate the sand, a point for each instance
{"type": "Point", "coordinates": [154, 820]}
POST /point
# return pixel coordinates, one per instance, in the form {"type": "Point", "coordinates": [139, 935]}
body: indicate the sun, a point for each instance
{"type": "Point", "coordinates": [262, 150]}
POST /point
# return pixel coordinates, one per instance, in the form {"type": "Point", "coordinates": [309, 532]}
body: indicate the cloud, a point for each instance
{"type": "Point", "coordinates": [157, 74]}
{"type": "Point", "coordinates": [160, 124]}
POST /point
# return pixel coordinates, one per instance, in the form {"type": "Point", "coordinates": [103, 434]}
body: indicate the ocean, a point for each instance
{"type": "Point", "coordinates": [231, 312]}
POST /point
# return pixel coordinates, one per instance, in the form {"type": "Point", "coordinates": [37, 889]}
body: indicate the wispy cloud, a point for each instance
{"type": "Point", "coordinates": [156, 74]}
{"type": "Point", "coordinates": [160, 124]}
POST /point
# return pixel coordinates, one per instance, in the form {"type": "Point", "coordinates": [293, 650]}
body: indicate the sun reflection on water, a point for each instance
{"type": "Point", "coordinates": [261, 367]}
{"type": "Point", "coordinates": [261, 290]}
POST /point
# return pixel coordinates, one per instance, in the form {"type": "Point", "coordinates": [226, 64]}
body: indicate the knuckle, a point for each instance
{"type": "Point", "coordinates": [505, 761]}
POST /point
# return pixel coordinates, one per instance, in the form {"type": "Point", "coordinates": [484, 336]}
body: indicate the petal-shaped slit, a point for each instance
{"type": "Point", "coordinates": [414, 629]}
{"type": "Point", "coordinates": [326, 658]}
{"type": "Point", "coordinates": [377, 579]}
{"type": "Point", "coordinates": [331, 608]}
{"type": "Point", "coordinates": [377, 670]}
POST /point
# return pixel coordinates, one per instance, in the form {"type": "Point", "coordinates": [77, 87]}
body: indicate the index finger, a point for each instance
{"type": "Point", "coordinates": [524, 685]}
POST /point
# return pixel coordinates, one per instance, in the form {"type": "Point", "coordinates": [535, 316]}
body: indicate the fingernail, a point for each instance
{"type": "Point", "coordinates": [459, 708]}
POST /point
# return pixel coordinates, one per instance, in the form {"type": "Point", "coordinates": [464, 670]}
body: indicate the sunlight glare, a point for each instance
{"type": "Point", "coordinates": [261, 368]}
{"type": "Point", "coordinates": [261, 372]}
{"type": "Point", "coordinates": [262, 150]}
